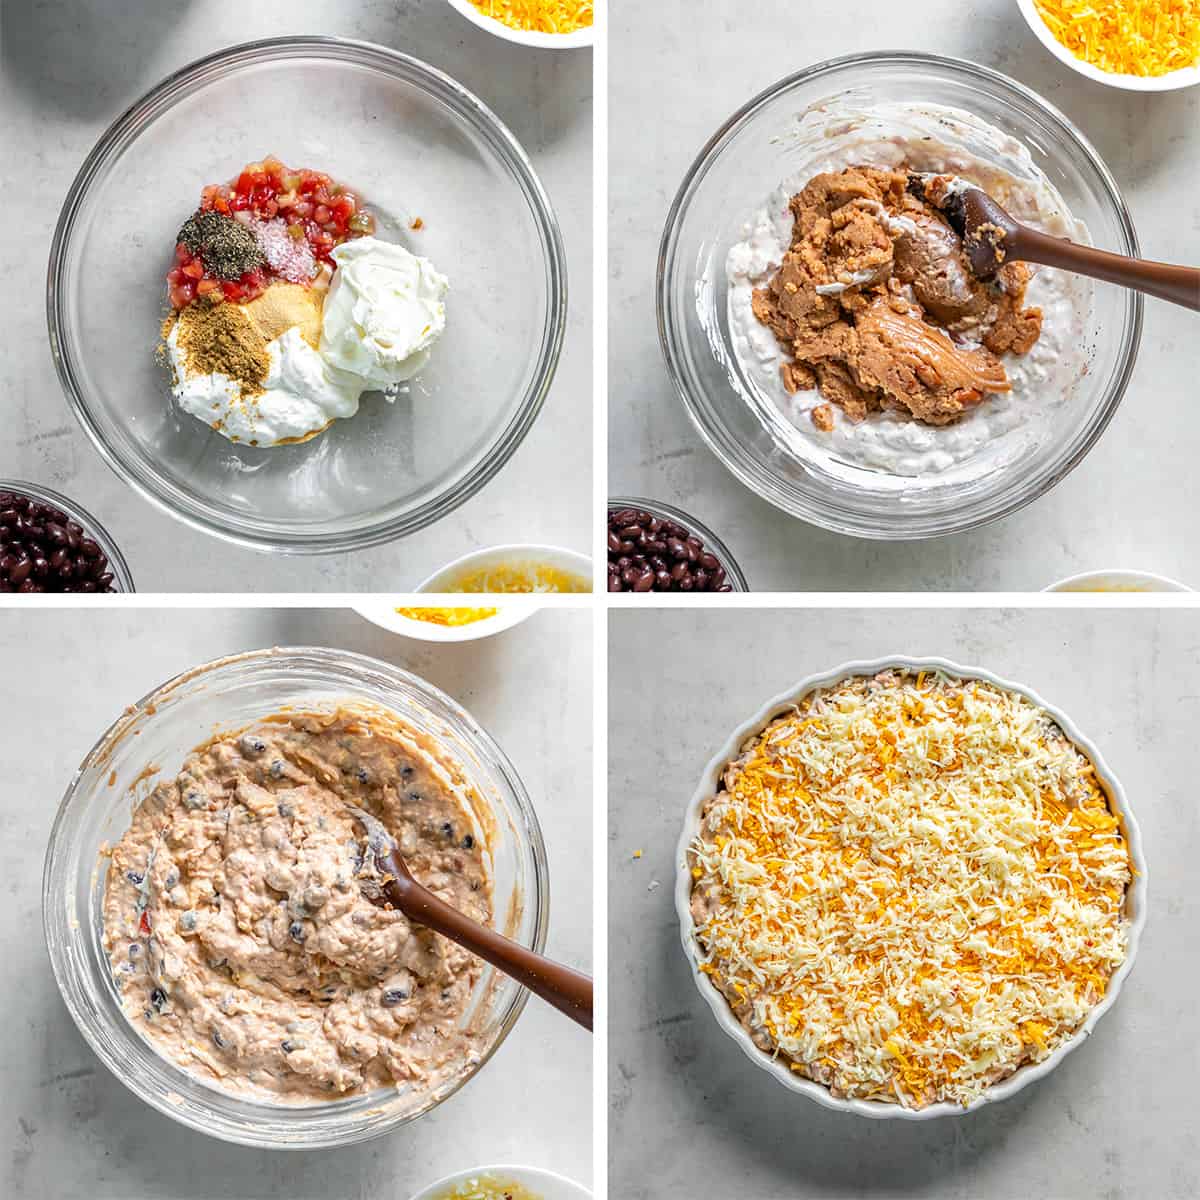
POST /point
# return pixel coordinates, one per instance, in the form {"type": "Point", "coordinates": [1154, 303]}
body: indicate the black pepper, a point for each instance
{"type": "Point", "coordinates": [229, 249]}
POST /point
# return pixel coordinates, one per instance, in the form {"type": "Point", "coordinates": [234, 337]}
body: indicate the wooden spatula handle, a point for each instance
{"type": "Point", "coordinates": [1179, 285]}
{"type": "Point", "coordinates": [569, 991]}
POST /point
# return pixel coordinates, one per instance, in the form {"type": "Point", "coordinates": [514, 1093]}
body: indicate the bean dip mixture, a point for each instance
{"type": "Point", "coordinates": [878, 307]}
{"type": "Point", "coordinates": [236, 925]}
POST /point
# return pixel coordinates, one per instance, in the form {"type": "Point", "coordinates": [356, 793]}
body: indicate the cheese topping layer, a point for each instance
{"type": "Point", "coordinates": [910, 886]}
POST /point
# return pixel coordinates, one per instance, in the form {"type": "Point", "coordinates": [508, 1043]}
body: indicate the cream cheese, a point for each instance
{"type": "Point", "coordinates": [385, 309]}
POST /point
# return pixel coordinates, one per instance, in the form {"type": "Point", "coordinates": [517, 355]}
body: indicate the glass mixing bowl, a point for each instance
{"type": "Point", "coordinates": [414, 144]}
{"type": "Point", "coordinates": [744, 162]}
{"type": "Point", "coordinates": [161, 729]}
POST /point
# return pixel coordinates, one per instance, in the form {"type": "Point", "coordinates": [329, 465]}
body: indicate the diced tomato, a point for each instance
{"type": "Point", "coordinates": [194, 269]}
{"type": "Point", "coordinates": [144, 923]}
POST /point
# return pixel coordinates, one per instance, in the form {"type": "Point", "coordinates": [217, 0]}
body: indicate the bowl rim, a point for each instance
{"type": "Point", "coordinates": [386, 617]}
{"type": "Point", "coordinates": [875, 1109]}
{"type": "Point", "coordinates": [538, 1173]}
{"type": "Point", "coordinates": [160, 98]}
{"type": "Point", "coordinates": [1182, 77]}
{"type": "Point", "coordinates": [579, 39]}
{"type": "Point", "coordinates": [536, 891]}
{"type": "Point", "coordinates": [82, 516]}
{"type": "Point", "coordinates": [660, 508]}
{"type": "Point", "coordinates": [1167, 583]}
{"type": "Point", "coordinates": [756, 478]}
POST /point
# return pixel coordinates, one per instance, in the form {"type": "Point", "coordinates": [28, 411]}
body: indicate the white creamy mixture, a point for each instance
{"type": "Point", "coordinates": [942, 140]}
{"type": "Point", "coordinates": [384, 311]}
{"type": "Point", "coordinates": [303, 394]}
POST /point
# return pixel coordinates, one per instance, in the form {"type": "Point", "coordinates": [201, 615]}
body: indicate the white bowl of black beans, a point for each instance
{"type": "Point", "coordinates": [655, 547]}
{"type": "Point", "coordinates": [50, 544]}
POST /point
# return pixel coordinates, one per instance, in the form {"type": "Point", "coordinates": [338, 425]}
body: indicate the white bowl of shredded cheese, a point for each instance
{"type": "Point", "coordinates": [1133, 912]}
{"type": "Point", "coordinates": [1093, 24]}
{"type": "Point", "coordinates": [548, 12]}
{"type": "Point", "coordinates": [493, 1183]}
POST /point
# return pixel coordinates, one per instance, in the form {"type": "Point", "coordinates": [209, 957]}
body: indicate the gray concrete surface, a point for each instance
{"type": "Point", "coordinates": [693, 64]}
{"type": "Point", "coordinates": [68, 1129]}
{"type": "Point", "coordinates": [70, 67]}
{"type": "Point", "coordinates": [691, 1116]}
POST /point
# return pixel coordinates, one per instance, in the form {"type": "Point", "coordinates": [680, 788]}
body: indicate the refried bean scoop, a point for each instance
{"type": "Point", "coordinates": [569, 991]}
{"type": "Point", "coordinates": [990, 238]}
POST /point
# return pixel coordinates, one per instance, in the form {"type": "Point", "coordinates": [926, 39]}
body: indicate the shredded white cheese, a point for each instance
{"type": "Point", "coordinates": [911, 886]}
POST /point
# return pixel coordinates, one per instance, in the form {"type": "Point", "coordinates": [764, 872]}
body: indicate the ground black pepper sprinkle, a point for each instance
{"type": "Point", "coordinates": [227, 247]}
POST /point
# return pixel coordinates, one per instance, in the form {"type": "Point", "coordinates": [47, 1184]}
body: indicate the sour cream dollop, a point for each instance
{"type": "Point", "coordinates": [385, 309]}
{"type": "Point", "coordinates": [301, 395]}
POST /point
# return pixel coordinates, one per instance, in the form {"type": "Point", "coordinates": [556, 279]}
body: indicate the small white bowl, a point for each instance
{"type": "Point", "coordinates": [1135, 899]}
{"type": "Point", "coordinates": [1172, 81]}
{"type": "Point", "coordinates": [386, 617]}
{"type": "Point", "coordinates": [545, 1183]}
{"type": "Point", "coordinates": [1117, 581]}
{"type": "Point", "coordinates": [542, 41]}
{"type": "Point", "coordinates": [495, 556]}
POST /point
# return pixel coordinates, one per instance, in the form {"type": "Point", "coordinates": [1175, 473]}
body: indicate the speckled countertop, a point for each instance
{"type": "Point", "coordinates": [691, 1116]}
{"type": "Point", "coordinates": [69, 1130]}
{"type": "Point", "coordinates": [70, 68]}
{"type": "Point", "coordinates": [693, 65]}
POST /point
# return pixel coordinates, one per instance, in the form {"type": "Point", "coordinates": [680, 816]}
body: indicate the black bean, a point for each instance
{"type": "Point", "coordinates": [45, 551]}
{"type": "Point", "coordinates": [468, 842]}
{"type": "Point", "coordinates": [296, 932]}
{"type": "Point", "coordinates": [135, 877]}
{"type": "Point", "coordinates": [393, 996]}
{"type": "Point", "coordinates": [159, 999]}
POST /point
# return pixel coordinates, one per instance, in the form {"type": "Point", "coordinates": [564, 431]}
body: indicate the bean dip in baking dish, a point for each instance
{"type": "Point", "coordinates": [236, 924]}
{"type": "Point", "coordinates": [910, 885]}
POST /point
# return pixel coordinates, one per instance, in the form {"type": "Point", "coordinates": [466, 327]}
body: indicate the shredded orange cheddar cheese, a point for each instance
{"type": "Point", "coordinates": [450, 617]}
{"type": "Point", "coordinates": [1127, 37]}
{"type": "Point", "coordinates": [539, 16]}
{"type": "Point", "coordinates": [519, 577]}
{"type": "Point", "coordinates": [909, 888]}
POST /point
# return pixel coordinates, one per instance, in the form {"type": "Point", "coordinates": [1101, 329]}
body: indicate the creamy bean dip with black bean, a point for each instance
{"type": "Point", "coordinates": [236, 926]}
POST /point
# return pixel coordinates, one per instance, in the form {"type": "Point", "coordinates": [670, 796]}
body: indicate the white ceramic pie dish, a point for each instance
{"type": "Point", "coordinates": [1135, 898]}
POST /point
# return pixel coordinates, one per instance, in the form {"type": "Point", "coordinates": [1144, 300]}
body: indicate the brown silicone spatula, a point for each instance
{"type": "Point", "coordinates": [991, 238]}
{"type": "Point", "coordinates": [569, 991]}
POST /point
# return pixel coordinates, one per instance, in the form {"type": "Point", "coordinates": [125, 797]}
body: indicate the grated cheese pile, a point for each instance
{"type": "Point", "coordinates": [449, 617]}
{"type": "Point", "coordinates": [539, 16]}
{"type": "Point", "coordinates": [909, 887]}
{"type": "Point", "coordinates": [513, 577]}
{"type": "Point", "coordinates": [488, 1187]}
{"type": "Point", "coordinates": [1127, 37]}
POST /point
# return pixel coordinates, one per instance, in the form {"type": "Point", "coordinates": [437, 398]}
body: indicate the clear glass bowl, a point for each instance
{"type": "Point", "coordinates": [414, 144]}
{"type": "Point", "coordinates": [747, 159]}
{"type": "Point", "coordinates": [122, 579]}
{"type": "Point", "coordinates": [667, 512]}
{"type": "Point", "coordinates": [161, 729]}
